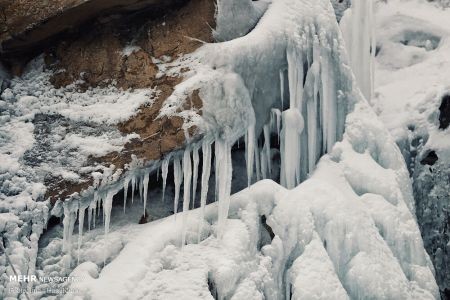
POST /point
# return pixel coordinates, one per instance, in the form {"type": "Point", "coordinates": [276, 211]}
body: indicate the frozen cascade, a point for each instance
{"type": "Point", "coordinates": [295, 78]}
{"type": "Point", "coordinates": [311, 96]}
{"type": "Point", "coordinates": [80, 230]}
{"type": "Point", "coordinates": [290, 147]}
{"type": "Point", "coordinates": [126, 183]}
{"type": "Point", "coordinates": [195, 160]}
{"type": "Point", "coordinates": [107, 207]}
{"type": "Point", "coordinates": [70, 216]}
{"type": "Point", "coordinates": [223, 157]}
{"type": "Point", "coordinates": [357, 27]}
{"type": "Point", "coordinates": [187, 172]}
{"type": "Point", "coordinates": [177, 178]}
{"type": "Point", "coordinates": [68, 222]}
{"type": "Point", "coordinates": [145, 184]}
{"type": "Point", "coordinates": [329, 105]}
{"type": "Point", "coordinates": [206, 172]}
{"type": "Point", "coordinates": [164, 171]}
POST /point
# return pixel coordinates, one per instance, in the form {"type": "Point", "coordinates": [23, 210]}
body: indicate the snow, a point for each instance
{"type": "Point", "coordinates": [353, 214]}
{"type": "Point", "coordinates": [347, 221]}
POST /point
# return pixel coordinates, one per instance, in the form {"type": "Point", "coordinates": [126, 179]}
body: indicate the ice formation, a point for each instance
{"type": "Point", "coordinates": [339, 222]}
{"type": "Point", "coordinates": [358, 29]}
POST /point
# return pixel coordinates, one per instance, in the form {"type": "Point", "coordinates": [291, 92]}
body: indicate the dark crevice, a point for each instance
{"type": "Point", "coordinates": [444, 112]}
{"type": "Point", "coordinates": [430, 158]}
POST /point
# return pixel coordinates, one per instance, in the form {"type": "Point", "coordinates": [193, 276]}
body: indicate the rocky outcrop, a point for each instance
{"type": "Point", "coordinates": [27, 24]}
{"type": "Point", "coordinates": [123, 51]}
{"type": "Point", "coordinates": [429, 167]}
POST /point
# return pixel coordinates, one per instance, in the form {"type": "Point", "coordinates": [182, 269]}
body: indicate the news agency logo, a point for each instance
{"type": "Point", "coordinates": [42, 279]}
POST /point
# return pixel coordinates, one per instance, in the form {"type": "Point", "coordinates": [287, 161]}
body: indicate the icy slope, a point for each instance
{"type": "Point", "coordinates": [412, 82]}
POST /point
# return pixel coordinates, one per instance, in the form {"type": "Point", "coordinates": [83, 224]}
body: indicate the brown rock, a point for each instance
{"type": "Point", "coordinates": [29, 24]}
{"type": "Point", "coordinates": [96, 57]}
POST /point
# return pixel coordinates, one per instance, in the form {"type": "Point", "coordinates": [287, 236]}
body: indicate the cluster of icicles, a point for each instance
{"type": "Point", "coordinates": [308, 128]}
{"type": "Point", "coordinates": [301, 144]}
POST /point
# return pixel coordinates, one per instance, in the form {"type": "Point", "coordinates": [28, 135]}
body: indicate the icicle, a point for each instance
{"type": "Point", "coordinates": [257, 162]}
{"type": "Point", "coordinates": [311, 94]}
{"type": "Point", "coordinates": [141, 188]}
{"type": "Point", "coordinates": [290, 155]}
{"type": "Point", "coordinates": [282, 88]}
{"type": "Point", "coordinates": [295, 78]}
{"type": "Point", "coordinates": [276, 115]}
{"type": "Point", "coordinates": [68, 224]}
{"type": "Point", "coordinates": [145, 184]}
{"type": "Point", "coordinates": [358, 32]}
{"type": "Point", "coordinates": [250, 152]}
{"type": "Point", "coordinates": [187, 172]}
{"type": "Point", "coordinates": [91, 211]}
{"type": "Point", "coordinates": [329, 109]}
{"type": "Point", "coordinates": [107, 207]}
{"type": "Point", "coordinates": [133, 187]}
{"type": "Point", "coordinates": [263, 164]}
{"type": "Point", "coordinates": [195, 160]}
{"type": "Point", "coordinates": [165, 170]}
{"type": "Point", "coordinates": [177, 177]}
{"type": "Point", "coordinates": [216, 171]}
{"type": "Point", "coordinates": [224, 158]}
{"type": "Point", "coordinates": [267, 156]}
{"type": "Point", "coordinates": [206, 173]}
{"type": "Point", "coordinates": [89, 218]}
{"type": "Point", "coordinates": [125, 191]}
{"type": "Point", "coordinates": [80, 231]}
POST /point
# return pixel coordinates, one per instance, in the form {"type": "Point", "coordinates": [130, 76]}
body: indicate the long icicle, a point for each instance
{"type": "Point", "coordinates": [107, 207]}
{"type": "Point", "coordinates": [206, 173]}
{"type": "Point", "coordinates": [195, 160]}
{"type": "Point", "coordinates": [165, 170]}
{"type": "Point", "coordinates": [145, 183]}
{"type": "Point", "coordinates": [187, 172]}
{"type": "Point", "coordinates": [133, 187]}
{"type": "Point", "coordinates": [126, 182]}
{"type": "Point", "coordinates": [224, 158]}
{"type": "Point", "coordinates": [267, 150]}
{"type": "Point", "coordinates": [177, 180]}
{"type": "Point", "coordinates": [216, 171]}
{"type": "Point", "coordinates": [250, 152]}
{"type": "Point", "coordinates": [141, 188]}
{"type": "Point", "coordinates": [80, 231]}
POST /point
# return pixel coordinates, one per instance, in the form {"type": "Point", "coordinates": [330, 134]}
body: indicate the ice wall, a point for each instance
{"type": "Point", "coordinates": [287, 77]}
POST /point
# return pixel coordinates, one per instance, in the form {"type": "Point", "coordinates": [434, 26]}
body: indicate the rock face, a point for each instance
{"type": "Point", "coordinates": [429, 167]}
{"type": "Point", "coordinates": [27, 23]}
{"type": "Point", "coordinates": [123, 50]}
